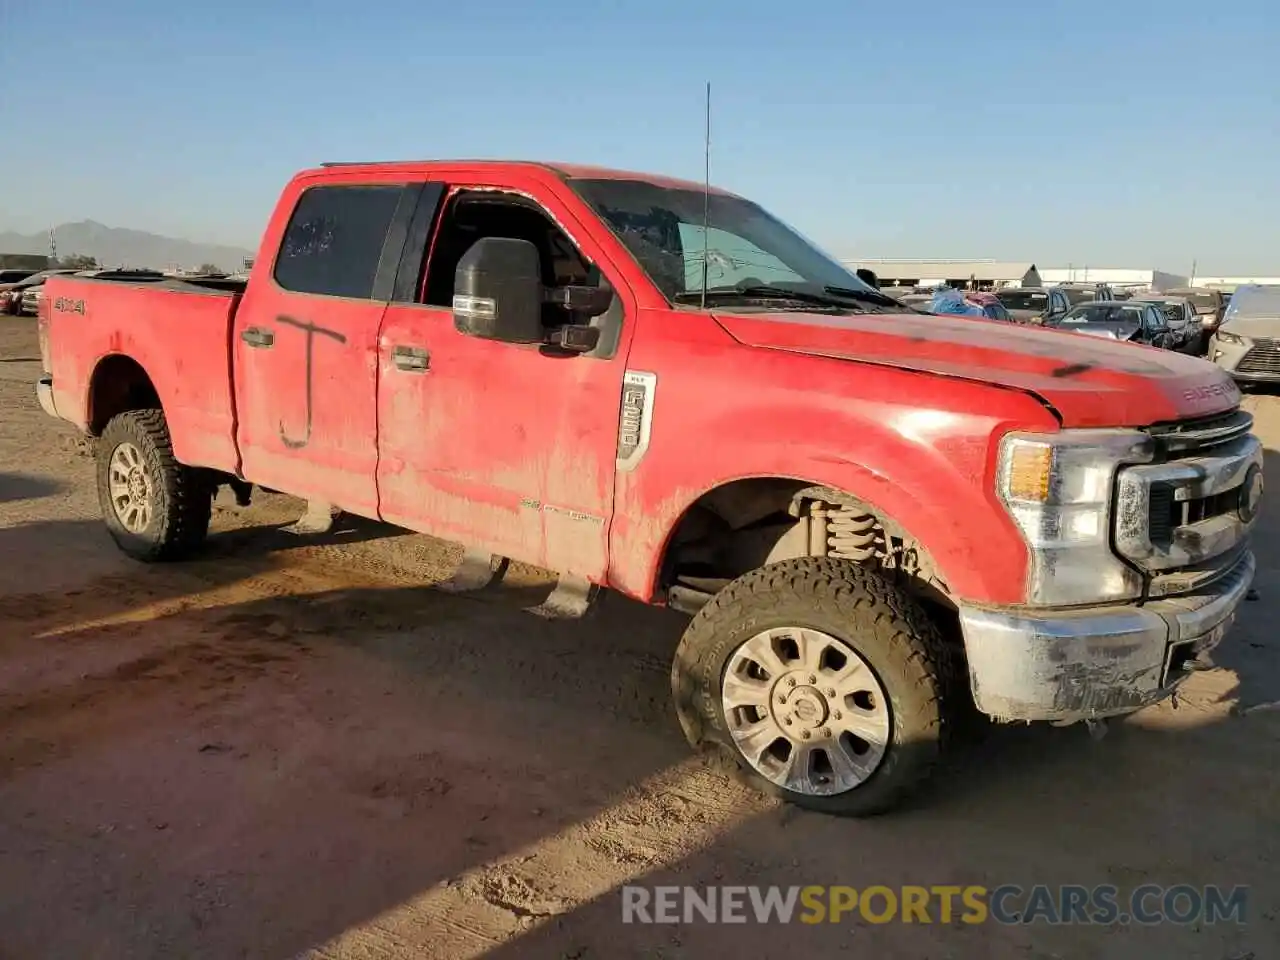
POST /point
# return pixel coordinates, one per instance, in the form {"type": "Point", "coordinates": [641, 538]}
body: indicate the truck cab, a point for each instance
{"type": "Point", "coordinates": [871, 515]}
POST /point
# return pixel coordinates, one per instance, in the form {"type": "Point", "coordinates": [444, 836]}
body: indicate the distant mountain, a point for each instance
{"type": "Point", "coordinates": [116, 247]}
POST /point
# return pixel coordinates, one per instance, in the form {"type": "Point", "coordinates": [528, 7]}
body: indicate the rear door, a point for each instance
{"type": "Point", "coordinates": [305, 341]}
{"type": "Point", "coordinates": [506, 447]}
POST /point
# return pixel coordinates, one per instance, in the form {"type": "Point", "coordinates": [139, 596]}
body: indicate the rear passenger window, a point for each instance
{"type": "Point", "coordinates": [334, 240]}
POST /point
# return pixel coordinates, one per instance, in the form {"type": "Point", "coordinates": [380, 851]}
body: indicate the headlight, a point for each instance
{"type": "Point", "coordinates": [1225, 337]}
{"type": "Point", "coordinates": [1058, 489]}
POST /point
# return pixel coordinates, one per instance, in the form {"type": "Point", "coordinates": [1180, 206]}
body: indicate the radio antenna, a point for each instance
{"type": "Point", "coordinates": [706, 199]}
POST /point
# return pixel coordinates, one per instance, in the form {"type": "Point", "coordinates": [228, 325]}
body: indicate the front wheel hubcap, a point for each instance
{"type": "Point", "coordinates": [806, 711]}
{"type": "Point", "coordinates": [129, 487]}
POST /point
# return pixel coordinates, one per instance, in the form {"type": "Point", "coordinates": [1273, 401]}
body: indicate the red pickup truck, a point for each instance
{"type": "Point", "coordinates": [875, 518]}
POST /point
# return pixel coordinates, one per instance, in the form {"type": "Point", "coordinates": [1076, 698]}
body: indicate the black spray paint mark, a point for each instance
{"type": "Point", "coordinates": [1072, 370]}
{"type": "Point", "coordinates": [311, 330]}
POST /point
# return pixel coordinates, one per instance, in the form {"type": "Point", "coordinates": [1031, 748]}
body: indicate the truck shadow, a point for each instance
{"type": "Point", "coordinates": [259, 763]}
{"type": "Point", "coordinates": [265, 539]}
{"type": "Point", "coordinates": [258, 767]}
{"type": "Point", "coordinates": [1251, 650]}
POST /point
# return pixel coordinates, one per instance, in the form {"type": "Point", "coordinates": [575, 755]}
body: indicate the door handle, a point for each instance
{"type": "Point", "coordinates": [258, 337]}
{"type": "Point", "coordinates": [411, 359]}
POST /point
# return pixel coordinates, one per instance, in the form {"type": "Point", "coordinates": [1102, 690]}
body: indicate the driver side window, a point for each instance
{"type": "Point", "coordinates": [731, 260]}
{"type": "Point", "coordinates": [472, 215]}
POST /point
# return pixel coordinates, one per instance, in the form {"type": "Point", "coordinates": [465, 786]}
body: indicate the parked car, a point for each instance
{"type": "Point", "coordinates": [9, 277]}
{"type": "Point", "coordinates": [1210, 304]}
{"type": "Point", "coordinates": [1185, 324]}
{"type": "Point", "coordinates": [1086, 292]}
{"type": "Point", "coordinates": [11, 299]}
{"type": "Point", "coordinates": [126, 273]}
{"type": "Point", "coordinates": [901, 515]}
{"type": "Point", "coordinates": [967, 303]}
{"type": "Point", "coordinates": [1035, 305]}
{"type": "Point", "coordinates": [991, 306]}
{"type": "Point", "coordinates": [1247, 342]}
{"type": "Point", "coordinates": [916, 301]}
{"type": "Point", "coordinates": [29, 305]}
{"type": "Point", "coordinates": [1127, 320]}
{"type": "Point", "coordinates": [32, 295]}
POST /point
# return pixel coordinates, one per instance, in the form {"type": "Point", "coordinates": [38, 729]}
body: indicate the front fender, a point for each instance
{"type": "Point", "coordinates": [929, 470]}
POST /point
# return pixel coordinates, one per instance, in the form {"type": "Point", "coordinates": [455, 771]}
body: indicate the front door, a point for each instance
{"type": "Point", "coordinates": [306, 350]}
{"type": "Point", "coordinates": [503, 447]}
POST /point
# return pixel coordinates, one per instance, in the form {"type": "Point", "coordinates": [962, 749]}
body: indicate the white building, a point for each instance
{"type": "Point", "coordinates": [1118, 277]}
{"type": "Point", "coordinates": [1144, 279]}
{"type": "Point", "coordinates": [1230, 283]}
{"type": "Point", "coordinates": [986, 274]}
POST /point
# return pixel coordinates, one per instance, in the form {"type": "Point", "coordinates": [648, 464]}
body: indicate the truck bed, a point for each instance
{"type": "Point", "coordinates": [91, 323]}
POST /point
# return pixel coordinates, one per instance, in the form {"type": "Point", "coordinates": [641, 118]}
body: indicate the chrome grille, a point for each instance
{"type": "Point", "coordinates": [1192, 436]}
{"type": "Point", "coordinates": [1184, 510]}
{"type": "Point", "coordinates": [1263, 358]}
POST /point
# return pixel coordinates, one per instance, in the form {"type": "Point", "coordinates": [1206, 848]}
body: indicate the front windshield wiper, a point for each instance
{"type": "Point", "coordinates": [866, 296]}
{"type": "Point", "coordinates": [762, 292]}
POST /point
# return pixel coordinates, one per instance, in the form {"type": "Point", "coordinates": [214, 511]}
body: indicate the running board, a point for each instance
{"type": "Point", "coordinates": [571, 599]}
{"type": "Point", "coordinates": [319, 518]}
{"type": "Point", "coordinates": [478, 569]}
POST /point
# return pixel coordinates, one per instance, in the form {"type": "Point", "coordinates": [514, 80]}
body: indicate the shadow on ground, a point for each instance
{"type": "Point", "coordinates": [1252, 650]}
{"type": "Point", "coordinates": [21, 486]}
{"type": "Point", "coordinates": [258, 775]}
{"type": "Point", "coordinates": [253, 762]}
{"type": "Point", "coordinates": [240, 756]}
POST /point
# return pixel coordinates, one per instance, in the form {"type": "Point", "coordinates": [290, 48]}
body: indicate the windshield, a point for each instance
{"type": "Point", "coordinates": [1023, 299]}
{"type": "Point", "coordinates": [662, 227]}
{"type": "Point", "coordinates": [1104, 313]}
{"type": "Point", "coordinates": [1203, 302]}
{"type": "Point", "coordinates": [1077, 295]}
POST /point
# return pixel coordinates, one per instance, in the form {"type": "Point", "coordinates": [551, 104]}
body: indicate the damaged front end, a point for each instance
{"type": "Point", "coordinates": [1154, 525]}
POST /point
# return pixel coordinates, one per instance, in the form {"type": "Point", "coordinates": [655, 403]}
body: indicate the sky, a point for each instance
{"type": "Point", "coordinates": [1121, 133]}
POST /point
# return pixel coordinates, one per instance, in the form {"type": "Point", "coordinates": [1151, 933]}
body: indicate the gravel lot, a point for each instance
{"type": "Point", "coordinates": [295, 747]}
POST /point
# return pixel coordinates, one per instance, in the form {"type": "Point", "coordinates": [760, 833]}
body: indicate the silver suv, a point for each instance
{"type": "Point", "coordinates": [1247, 342]}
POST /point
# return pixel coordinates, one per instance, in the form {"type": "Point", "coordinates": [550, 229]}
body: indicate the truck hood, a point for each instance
{"type": "Point", "coordinates": [1089, 382]}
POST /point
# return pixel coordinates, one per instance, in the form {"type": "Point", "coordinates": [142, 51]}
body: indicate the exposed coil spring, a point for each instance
{"type": "Point", "coordinates": [851, 534]}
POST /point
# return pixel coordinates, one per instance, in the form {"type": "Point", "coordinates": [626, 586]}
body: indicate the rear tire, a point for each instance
{"type": "Point", "coordinates": [155, 508]}
{"type": "Point", "coordinates": [849, 623]}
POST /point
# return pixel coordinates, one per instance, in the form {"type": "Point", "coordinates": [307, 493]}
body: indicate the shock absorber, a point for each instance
{"type": "Point", "coordinates": [846, 532]}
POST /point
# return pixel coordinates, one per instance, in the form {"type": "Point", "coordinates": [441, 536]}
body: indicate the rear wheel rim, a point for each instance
{"type": "Point", "coordinates": [129, 487]}
{"type": "Point", "coordinates": [806, 711]}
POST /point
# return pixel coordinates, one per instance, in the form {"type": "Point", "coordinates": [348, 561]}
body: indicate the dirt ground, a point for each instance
{"type": "Point", "coordinates": [297, 748]}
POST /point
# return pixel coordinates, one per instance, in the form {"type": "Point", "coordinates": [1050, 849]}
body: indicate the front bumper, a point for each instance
{"type": "Point", "coordinates": [44, 393]}
{"type": "Point", "coordinates": [1243, 360]}
{"type": "Point", "coordinates": [1099, 662]}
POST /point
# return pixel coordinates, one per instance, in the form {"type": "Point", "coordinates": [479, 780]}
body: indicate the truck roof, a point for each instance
{"type": "Point", "coordinates": [564, 170]}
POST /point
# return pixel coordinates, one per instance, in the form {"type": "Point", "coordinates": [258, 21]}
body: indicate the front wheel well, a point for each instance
{"type": "Point", "coordinates": [119, 384]}
{"type": "Point", "coordinates": [746, 524]}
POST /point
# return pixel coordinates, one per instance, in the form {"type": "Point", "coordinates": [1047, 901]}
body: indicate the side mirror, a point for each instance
{"type": "Point", "coordinates": [497, 291]}
{"type": "Point", "coordinates": [588, 301]}
{"type": "Point", "coordinates": [868, 277]}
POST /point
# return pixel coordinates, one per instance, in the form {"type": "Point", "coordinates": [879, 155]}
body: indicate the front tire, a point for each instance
{"type": "Point", "coordinates": [825, 685]}
{"type": "Point", "coordinates": [155, 508]}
